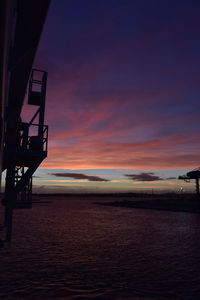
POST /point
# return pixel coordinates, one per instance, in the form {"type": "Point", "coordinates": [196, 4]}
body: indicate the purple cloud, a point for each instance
{"type": "Point", "coordinates": [79, 176]}
{"type": "Point", "coordinates": [143, 177]}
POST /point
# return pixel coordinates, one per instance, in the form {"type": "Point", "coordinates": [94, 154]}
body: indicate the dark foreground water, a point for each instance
{"type": "Point", "coordinates": [73, 249]}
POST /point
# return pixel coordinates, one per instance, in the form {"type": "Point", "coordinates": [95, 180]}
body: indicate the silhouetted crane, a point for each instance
{"type": "Point", "coordinates": [194, 174]}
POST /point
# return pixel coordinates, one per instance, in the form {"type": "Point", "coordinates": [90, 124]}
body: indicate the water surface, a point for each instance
{"type": "Point", "coordinates": [73, 249]}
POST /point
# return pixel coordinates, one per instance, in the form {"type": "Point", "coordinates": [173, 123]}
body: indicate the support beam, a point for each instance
{"type": "Point", "coordinates": [27, 175]}
{"type": "Point", "coordinates": [197, 186]}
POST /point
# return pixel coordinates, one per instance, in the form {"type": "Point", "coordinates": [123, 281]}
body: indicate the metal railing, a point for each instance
{"type": "Point", "coordinates": [26, 140]}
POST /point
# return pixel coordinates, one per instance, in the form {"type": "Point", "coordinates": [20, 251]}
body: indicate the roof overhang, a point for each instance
{"type": "Point", "coordinates": [30, 17]}
{"type": "Point", "coordinates": [27, 20]}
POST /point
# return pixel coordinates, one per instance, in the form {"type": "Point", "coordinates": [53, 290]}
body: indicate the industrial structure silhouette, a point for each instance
{"type": "Point", "coordinates": [21, 151]}
{"type": "Point", "coordinates": [194, 174]}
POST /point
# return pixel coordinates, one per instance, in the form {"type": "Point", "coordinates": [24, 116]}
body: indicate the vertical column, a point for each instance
{"type": "Point", "coordinates": [42, 107]}
{"type": "Point", "coordinates": [197, 186]}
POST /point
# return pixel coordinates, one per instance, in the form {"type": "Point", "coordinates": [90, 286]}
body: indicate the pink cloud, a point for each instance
{"type": "Point", "coordinates": [167, 153]}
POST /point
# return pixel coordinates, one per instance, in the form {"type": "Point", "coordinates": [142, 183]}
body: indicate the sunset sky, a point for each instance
{"type": "Point", "coordinates": [123, 95]}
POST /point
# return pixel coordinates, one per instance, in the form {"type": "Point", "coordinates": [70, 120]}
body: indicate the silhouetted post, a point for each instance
{"type": "Point", "coordinates": [197, 187]}
{"type": "Point", "coordinates": [42, 106]}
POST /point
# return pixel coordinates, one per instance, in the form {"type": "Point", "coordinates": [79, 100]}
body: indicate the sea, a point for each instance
{"type": "Point", "coordinates": [72, 248]}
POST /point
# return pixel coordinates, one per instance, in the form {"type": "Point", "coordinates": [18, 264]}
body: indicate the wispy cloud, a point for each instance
{"type": "Point", "coordinates": [147, 176]}
{"type": "Point", "coordinates": [79, 176]}
{"type": "Point", "coordinates": [144, 177]}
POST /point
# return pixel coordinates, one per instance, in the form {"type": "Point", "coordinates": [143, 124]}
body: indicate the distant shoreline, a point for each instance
{"type": "Point", "coordinates": [121, 194]}
{"type": "Point", "coordinates": [163, 202]}
{"type": "Point", "coordinates": [174, 205]}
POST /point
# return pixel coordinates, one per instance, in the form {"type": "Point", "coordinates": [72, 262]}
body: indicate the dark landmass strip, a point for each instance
{"type": "Point", "coordinates": [165, 201]}
{"type": "Point", "coordinates": [41, 202]}
{"type": "Point", "coordinates": [183, 204]}
{"type": "Point", "coordinates": [137, 195]}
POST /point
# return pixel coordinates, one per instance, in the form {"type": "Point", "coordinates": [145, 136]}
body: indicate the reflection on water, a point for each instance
{"type": "Point", "coordinates": [73, 249]}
